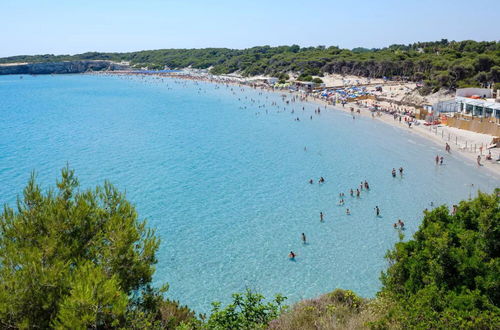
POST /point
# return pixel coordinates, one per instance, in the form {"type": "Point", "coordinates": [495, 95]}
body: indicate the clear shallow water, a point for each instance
{"type": "Point", "coordinates": [227, 188]}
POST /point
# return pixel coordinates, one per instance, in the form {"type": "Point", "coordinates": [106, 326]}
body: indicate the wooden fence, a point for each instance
{"type": "Point", "coordinates": [479, 125]}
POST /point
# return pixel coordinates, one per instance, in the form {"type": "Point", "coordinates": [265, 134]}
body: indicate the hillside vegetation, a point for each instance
{"type": "Point", "coordinates": [81, 259]}
{"type": "Point", "coordinates": [441, 64]}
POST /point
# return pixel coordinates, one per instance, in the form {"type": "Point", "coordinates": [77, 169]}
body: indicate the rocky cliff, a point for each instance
{"type": "Point", "coordinates": [60, 67]}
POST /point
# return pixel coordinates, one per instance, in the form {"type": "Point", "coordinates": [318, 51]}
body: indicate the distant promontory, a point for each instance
{"type": "Point", "coordinates": [59, 67]}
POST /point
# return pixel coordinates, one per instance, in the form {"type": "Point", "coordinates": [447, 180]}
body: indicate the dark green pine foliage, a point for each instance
{"type": "Point", "coordinates": [72, 258]}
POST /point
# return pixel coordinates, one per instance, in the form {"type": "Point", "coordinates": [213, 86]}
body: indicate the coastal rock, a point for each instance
{"type": "Point", "coordinates": [61, 67]}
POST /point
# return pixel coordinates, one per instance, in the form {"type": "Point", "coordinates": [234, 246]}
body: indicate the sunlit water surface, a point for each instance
{"type": "Point", "coordinates": [227, 187]}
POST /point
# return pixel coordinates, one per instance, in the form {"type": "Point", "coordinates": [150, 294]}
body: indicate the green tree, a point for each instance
{"type": "Point", "coordinates": [247, 312]}
{"type": "Point", "coordinates": [74, 258]}
{"type": "Point", "coordinates": [94, 301]}
{"type": "Point", "coordinates": [447, 276]}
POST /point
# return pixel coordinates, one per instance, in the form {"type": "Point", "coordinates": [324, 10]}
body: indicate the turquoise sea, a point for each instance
{"type": "Point", "coordinates": [226, 184]}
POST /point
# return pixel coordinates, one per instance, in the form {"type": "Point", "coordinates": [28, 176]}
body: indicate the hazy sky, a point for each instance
{"type": "Point", "coordinates": [75, 26]}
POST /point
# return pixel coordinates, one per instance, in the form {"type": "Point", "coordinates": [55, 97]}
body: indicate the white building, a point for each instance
{"type": "Point", "coordinates": [476, 102]}
{"type": "Point", "coordinates": [485, 108]}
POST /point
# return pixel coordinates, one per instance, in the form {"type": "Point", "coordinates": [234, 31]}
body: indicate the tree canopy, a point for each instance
{"type": "Point", "coordinates": [448, 64]}
{"type": "Point", "coordinates": [448, 275]}
{"type": "Point", "coordinates": [72, 258]}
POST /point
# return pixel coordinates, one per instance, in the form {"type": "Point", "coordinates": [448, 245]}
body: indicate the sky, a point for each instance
{"type": "Point", "coordinates": [74, 26]}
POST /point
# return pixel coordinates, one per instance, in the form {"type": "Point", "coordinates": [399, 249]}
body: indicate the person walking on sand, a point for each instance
{"type": "Point", "coordinates": [479, 160]}
{"type": "Point", "coordinates": [437, 159]}
{"type": "Point", "coordinates": [447, 147]}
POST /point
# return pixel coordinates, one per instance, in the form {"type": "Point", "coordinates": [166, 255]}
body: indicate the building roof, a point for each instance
{"type": "Point", "coordinates": [489, 103]}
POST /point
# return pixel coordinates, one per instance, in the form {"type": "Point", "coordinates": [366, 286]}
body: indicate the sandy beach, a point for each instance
{"type": "Point", "coordinates": [464, 143]}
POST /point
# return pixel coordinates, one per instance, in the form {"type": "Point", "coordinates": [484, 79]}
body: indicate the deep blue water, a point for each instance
{"type": "Point", "coordinates": [227, 187]}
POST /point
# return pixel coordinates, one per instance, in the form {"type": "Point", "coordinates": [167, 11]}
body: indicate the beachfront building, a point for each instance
{"type": "Point", "coordinates": [478, 108]}
{"type": "Point", "coordinates": [473, 102]}
{"type": "Point", "coordinates": [473, 109]}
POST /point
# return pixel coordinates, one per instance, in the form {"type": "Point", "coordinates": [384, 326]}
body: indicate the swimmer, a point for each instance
{"type": "Point", "coordinates": [348, 212]}
{"type": "Point", "coordinates": [291, 255]}
{"type": "Point", "coordinates": [304, 238]}
{"type": "Point", "coordinates": [311, 181]}
{"type": "Point", "coordinates": [321, 180]}
{"type": "Point", "coordinates": [395, 225]}
{"type": "Point", "coordinates": [367, 186]}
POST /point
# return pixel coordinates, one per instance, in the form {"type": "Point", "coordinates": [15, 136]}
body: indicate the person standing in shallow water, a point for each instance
{"type": "Point", "coordinates": [401, 171]}
{"type": "Point", "coordinates": [321, 216]}
{"type": "Point", "coordinates": [377, 210]}
{"type": "Point", "coordinates": [393, 172]}
{"type": "Point", "coordinates": [291, 255]}
{"type": "Point", "coordinates": [304, 238]}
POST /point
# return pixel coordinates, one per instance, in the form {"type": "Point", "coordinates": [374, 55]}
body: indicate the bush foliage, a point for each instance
{"type": "Point", "coordinates": [447, 276]}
